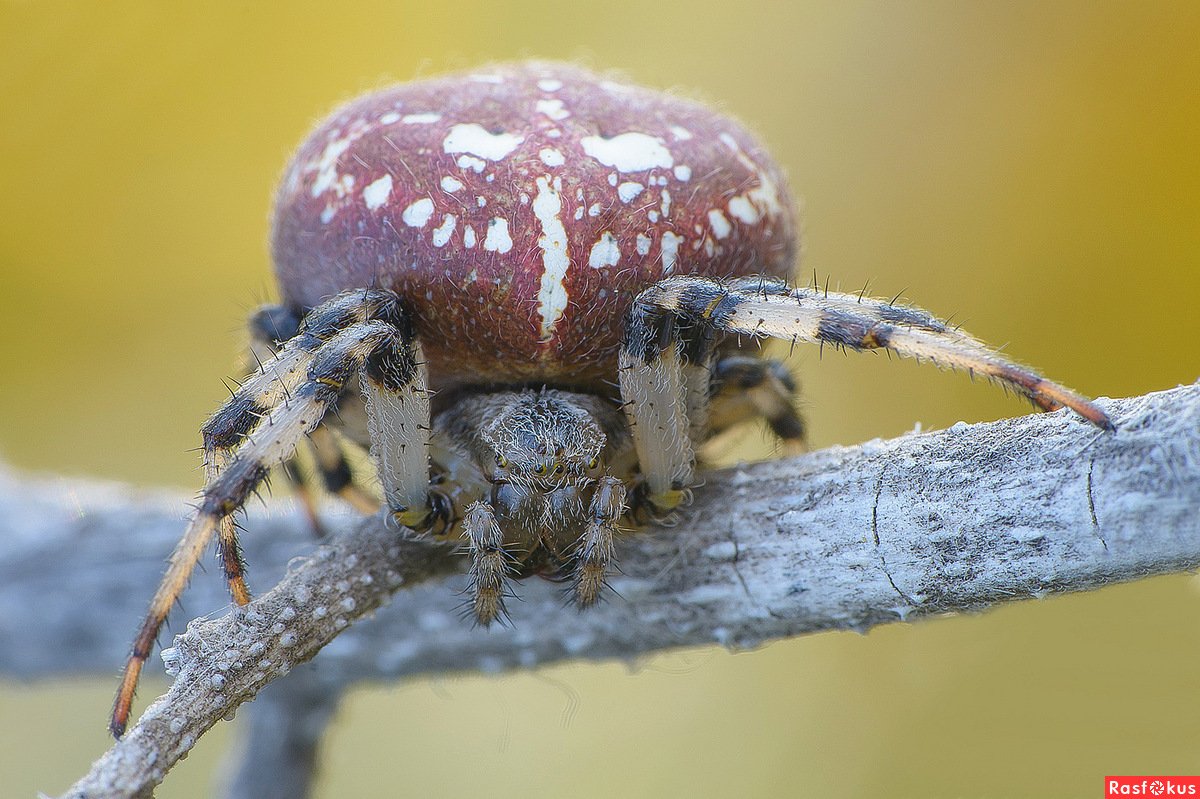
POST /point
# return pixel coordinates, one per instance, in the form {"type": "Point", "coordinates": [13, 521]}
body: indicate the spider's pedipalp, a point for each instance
{"type": "Point", "coordinates": [272, 441]}
{"type": "Point", "coordinates": [490, 563]}
{"type": "Point", "coordinates": [594, 555]}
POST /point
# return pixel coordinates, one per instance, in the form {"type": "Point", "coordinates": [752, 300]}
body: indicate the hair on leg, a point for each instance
{"type": "Point", "coordinates": [396, 389]}
{"type": "Point", "coordinates": [653, 387]}
{"type": "Point", "coordinates": [272, 440]}
{"type": "Point", "coordinates": [490, 564]}
{"type": "Point", "coordinates": [594, 555]}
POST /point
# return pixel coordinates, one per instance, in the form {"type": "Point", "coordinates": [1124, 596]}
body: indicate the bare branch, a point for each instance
{"type": "Point", "coordinates": [844, 538]}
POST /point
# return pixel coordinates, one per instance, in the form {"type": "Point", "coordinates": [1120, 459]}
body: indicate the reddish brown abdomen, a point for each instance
{"type": "Point", "coordinates": [518, 210]}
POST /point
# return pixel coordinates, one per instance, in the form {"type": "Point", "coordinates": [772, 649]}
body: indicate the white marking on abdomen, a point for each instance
{"type": "Point", "coordinates": [605, 251]}
{"type": "Point", "coordinates": [629, 191]}
{"type": "Point", "coordinates": [553, 109]}
{"type": "Point", "coordinates": [377, 193]}
{"type": "Point", "coordinates": [417, 214]}
{"type": "Point", "coordinates": [670, 251]}
{"type": "Point", "coordinates": [442, 233]}
{"type": "Point", "coordinates": [478, 141]}
{"type": "Point", "coordinates": [720, 225]}
{"type": "Point", "coordinates": [471, 162]}
{"type": "Point", "coordinates": [552, 292]}
{"type": "Point", "coordinates": [743, 210]}
{"type": "Point", "coordinates": [497, 239]}
{"type": "Point", "coordinates": [628, 152]}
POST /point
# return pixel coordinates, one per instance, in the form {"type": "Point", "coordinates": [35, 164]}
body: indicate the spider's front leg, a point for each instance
{"type": "Point", "coordinates": [285, 347]}
{"type": "Point", "coordinates": [271, 328]}
{"type": "Point", "coordinates": [667, 318]}
{"type": "Point", "coordinates": [308, 376]}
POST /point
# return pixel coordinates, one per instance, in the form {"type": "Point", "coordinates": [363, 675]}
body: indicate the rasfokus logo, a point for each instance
{"type": "Point", "coordinates": [1151, 786]}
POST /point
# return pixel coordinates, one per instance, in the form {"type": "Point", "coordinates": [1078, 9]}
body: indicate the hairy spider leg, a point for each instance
{"type": "Point", "coordinates": [744, 387]}
{"type": "Point", "coordinates": [271, 328]}
{"type": "Point", "coordinates": [272, 440]}
{"type": "Point", "coordinates": [594, 554]}
{"type": "Point", "coordinates": [230, 425]}
{"type": "Point", "coordinates": [302, 488]}
{"type": "Point", "coordinates": [396, 388]}
{"type": "Point", "coordinates": [273, 383]}
{"type": "Point", "coordinates": [653, 387]}
{"type": "Point", "coordinates": [491, 564]}
{"type": "Point", "coordinates": [651, 356]}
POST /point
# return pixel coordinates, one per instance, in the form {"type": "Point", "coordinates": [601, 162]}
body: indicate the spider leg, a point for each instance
{"type": "Point", "coordinates": [280, 374]}
{"type": "Point", "coordinates": [302, 488]}
{"type": "Point", "coordinates": [699, 360]}
{"type": "Point", "coordinates": [271, 328]}
{"type": "Point", "coordinates": [595, 553]}
{"type": "Point", "coordinates": [653, 386]}
{"type": "Point", "coordinates": [651, 358]}
{"type": "Point", "coordinates": [395, 387]}
{"type": "Point", "coordinates": [744, 387]}
{"type": "Point", "coordinates": [330, 456]}
{"type": "Point", "coordinates": [490, 563]}
{"type": "Point", "coordinates": [271, 441]}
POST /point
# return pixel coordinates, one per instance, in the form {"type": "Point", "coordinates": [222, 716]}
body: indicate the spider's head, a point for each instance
{"type": "Point", "coordinates": [541, 442]}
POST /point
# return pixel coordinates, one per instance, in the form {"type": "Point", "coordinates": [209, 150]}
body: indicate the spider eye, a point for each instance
{"type": "Point", "coordinates": [501, 461]}
{"type": "Point", "coordinates": [558, 469]}
{"type": "Point", "coordinates": [540, 469]}
{"type": "Point", "coordinates": [593, 463]}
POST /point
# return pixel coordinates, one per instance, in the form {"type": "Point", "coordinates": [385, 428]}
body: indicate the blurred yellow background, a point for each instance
{"type": "Point", "coordinates": [1031, 168]}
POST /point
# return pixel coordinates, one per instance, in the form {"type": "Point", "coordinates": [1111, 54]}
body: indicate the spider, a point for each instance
{"type": "Point", "coordinates": [526, 290]}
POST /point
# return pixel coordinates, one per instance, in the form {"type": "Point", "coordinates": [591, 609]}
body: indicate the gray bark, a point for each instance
{"type": "Point", "coordinates": [843, 538]}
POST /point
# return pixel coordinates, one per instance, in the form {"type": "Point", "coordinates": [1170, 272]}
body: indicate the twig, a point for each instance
{"type": "Point", "coordinates": [844, 538]}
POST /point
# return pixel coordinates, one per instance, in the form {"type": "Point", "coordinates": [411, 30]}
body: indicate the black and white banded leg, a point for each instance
{"type": "Point", "coordinates": [358, 334]}
{"type": "Point", "coordinates": [745, 387]}
{"type": "Point", "coordinates": [657, 397]}
{"type": "Point", "coordinates": [271, 327]}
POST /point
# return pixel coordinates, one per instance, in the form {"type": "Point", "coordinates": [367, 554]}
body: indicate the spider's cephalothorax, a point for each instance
{"type": "Point", "coordinates": [551, 465]}
{"type": "Point", "coordinates": [526, 291]}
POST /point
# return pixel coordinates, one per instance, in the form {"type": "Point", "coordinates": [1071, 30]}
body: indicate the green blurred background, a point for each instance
{"type": "Point", "coordinates": [1032, 168]}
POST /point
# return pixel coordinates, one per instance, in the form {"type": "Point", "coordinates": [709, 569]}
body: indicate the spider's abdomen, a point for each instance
{"type": "Point", "coordinates": [518, 211]}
